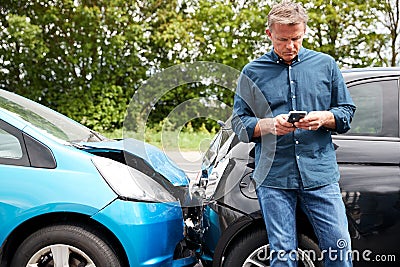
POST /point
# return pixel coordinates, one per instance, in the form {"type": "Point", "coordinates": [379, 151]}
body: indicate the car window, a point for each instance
{"type": "Point", "coordinates": [377, 111]}
{"type": "Point", "coordinates": [218, 141]}
{"type": "Point", "coordinates": [10, 148]}
{"type": "Point", "coordinates": [46, 120]}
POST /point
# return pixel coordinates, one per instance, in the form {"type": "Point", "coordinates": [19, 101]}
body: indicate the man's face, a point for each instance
{"type": "Point", "coordinates": [287, 40]}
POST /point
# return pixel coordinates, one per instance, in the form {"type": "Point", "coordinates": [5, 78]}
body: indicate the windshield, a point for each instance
{"type": "Point", "coordinates": [47, 120]}
{"type": "Point", "coordinates": [218, 141]}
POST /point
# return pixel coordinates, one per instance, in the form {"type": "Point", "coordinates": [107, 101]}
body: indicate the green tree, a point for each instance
{"type": "Point", "coordinates": [390, 19]}
{"type": "Point", "coordinates": [344, 30]}
{"type": "Point", "coordinates": [87, 58]}
{"type": "Point", "coordinates": [227, 32]}
{"type": "Point", "coordinates": [82, 58]}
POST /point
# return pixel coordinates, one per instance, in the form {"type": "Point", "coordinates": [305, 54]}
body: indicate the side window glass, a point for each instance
{"type": "Point", "coordinates": [10, 148]}
{"type": "Point", "coordinates": [377, 109]}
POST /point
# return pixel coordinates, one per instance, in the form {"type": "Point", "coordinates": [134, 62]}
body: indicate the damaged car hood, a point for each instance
{"type": "Point", "coordinates": [158, 160]}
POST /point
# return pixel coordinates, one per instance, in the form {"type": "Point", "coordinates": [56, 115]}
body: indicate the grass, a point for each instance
{"type": "Point", "coordinates": [171, 140]}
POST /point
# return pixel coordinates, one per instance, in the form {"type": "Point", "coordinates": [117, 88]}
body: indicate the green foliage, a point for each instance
{"type": "Point", "coordinates": [344, 30]}
{"type": "Point", "coordinates": [79, 58]}
{"type": "Point", "coordinates": [236, 34]}
{"type": "Point", "coordinates": [185, 140]}
{"type": "Point", "coordinates": [391, 22]}
{"type": "Point", "coordinates": [214, 31]}
{"type": "Point", "coordinates": [87, 58]}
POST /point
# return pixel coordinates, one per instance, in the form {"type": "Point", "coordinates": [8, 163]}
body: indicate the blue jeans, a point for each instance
{"type": "Point", "coordinates": [326, 212]}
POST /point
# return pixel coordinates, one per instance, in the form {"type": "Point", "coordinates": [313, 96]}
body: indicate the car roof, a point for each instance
{"type": "Point", "coordinates": [370, 73]}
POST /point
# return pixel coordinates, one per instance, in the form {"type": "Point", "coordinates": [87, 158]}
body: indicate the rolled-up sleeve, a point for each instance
{"type": "Point", "coordinates": [343, 116]}
{"type": "Point", "coordinates": [342, 105]}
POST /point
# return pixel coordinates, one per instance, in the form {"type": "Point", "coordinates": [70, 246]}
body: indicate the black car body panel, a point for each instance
{"type": "Point", "coordinates": [369, 161]}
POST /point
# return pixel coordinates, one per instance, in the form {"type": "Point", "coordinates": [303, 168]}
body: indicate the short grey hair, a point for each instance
{"type": "Point", "coordinates": [287, 12]}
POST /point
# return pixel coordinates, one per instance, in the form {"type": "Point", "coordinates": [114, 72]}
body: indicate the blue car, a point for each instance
{"type": "Point", "coordinates": [71, 197]}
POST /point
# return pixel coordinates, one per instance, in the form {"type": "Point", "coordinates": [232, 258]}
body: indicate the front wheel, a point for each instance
{"type": "Point", "coordinates": [252, 249]}
{"type": "Point", "coordinates": [65, 245]}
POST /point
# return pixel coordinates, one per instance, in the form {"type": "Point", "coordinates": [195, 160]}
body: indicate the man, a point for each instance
{"type": "Point", "coordinates": [295, 162]}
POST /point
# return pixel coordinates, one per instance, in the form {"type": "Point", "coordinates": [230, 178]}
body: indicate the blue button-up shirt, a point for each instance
{"type": "Point", "coordinates": [269, 87]}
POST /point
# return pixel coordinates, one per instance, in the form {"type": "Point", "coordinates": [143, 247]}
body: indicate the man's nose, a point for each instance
{"type": "Point", "coordinates": [290, 44]}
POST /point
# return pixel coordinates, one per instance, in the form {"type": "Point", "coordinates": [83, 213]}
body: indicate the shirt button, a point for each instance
{"type": "Point", "coordinates": [298, 157]}
{"type": "Point", "coordinates": [294, 96]}
{"type": "Point", "coordinates": [297, 142]}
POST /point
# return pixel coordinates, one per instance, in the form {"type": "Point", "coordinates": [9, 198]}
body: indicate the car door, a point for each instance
{"type": "Point", "coordinates": [369, 162]}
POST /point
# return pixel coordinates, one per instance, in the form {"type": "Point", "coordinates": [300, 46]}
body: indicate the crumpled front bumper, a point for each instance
{"type": "Point", "coordinates": [152, 234]}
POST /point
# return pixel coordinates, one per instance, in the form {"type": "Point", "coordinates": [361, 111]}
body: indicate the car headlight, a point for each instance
{"type": "Point", "coordinates": [130, 183]}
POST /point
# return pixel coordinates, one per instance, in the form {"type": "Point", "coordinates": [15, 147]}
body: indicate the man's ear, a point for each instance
{"type": "Point", "coordinates": [268, 32]}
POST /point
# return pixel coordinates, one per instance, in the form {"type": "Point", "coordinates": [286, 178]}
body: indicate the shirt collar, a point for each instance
{"type": "Point", "coordinates": [278, 59]}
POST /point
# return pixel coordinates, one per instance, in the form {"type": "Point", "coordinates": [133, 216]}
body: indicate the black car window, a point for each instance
{"type": "Point", "coordinates": [12, 149]}
{"type": "Point", "coordinates": [377, 111]}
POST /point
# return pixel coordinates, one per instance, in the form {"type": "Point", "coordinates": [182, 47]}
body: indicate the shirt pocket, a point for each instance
{"type": "Point", "coordinates": [318, 97]}
{"type": "Point", "coordinates": [277, 98]}
{"type": "Point", "coordinates": [278, 104]}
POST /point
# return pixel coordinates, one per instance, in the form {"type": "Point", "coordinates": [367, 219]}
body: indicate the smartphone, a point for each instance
{"type": "Point", "coordinates": [295, 116]}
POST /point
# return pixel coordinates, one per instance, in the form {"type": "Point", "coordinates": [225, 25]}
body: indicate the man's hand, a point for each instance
{"type": "Point", "coordinates": [316, 119]}
{"type": "Point", "coordinates": [276, 126]}
{"type": "Point", "coordinates": [279, 125]}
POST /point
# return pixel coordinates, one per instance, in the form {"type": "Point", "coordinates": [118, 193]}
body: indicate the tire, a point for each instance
{"type": "Point", "coordinates": [73, 244]}
{"type": "Point", "coordinates": [254, 246]}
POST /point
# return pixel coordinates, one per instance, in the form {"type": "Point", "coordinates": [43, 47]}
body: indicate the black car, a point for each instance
{"type": "Point", "coordinates": [369, 161]}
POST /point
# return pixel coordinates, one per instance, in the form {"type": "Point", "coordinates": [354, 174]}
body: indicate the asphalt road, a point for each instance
{"type": "Point", "coordinates": [189, 161]}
